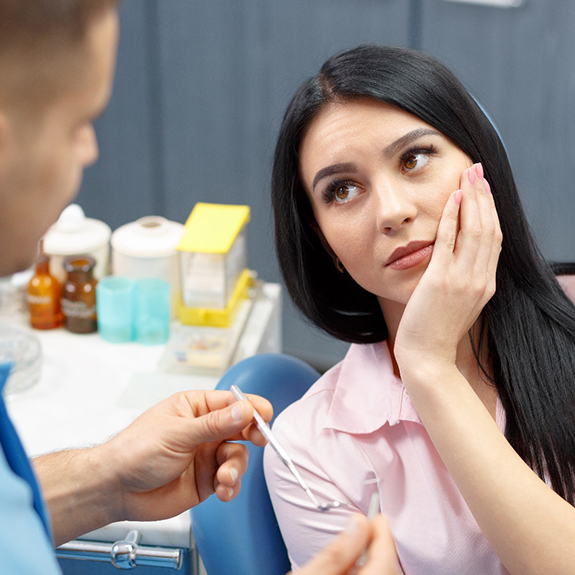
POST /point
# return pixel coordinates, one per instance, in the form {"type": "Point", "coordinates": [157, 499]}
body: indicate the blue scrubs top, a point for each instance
{"type": "Point", "coordinates": [25, 538]}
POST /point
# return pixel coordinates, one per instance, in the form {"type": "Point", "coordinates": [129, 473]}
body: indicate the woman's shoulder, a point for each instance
{"type": "Point", "coordinates": [314, 402]}
{"type": "Point", "coordinates": [313, 407]}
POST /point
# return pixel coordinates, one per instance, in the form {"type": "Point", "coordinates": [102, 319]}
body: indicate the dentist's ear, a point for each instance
{"type": "Point", "coordinates": [5, 139]}
{"type": "Point", "coordinates": [10, 134]}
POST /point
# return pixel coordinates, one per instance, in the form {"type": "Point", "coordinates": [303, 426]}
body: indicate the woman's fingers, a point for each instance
{"type": "Point", "coordinates": [468, 243]}
{"type": "Point", "coordinates": [447, 231]}
{"type": "Point", "coordinates": [497, 238]}
{"type": "Point", "coordinates": [478, 239]}
{"type": "Point", "coordinates": [468, 230]}
{"type": "Point", "coordinates": [460, 278]}
{"type": "Point", "coordinates": [471, 237]}
{"type": "Point", "coordinates": [488, 245]}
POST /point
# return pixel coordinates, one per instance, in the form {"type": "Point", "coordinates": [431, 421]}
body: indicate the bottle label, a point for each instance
{"type": "Point", "coordinates": [39, 299]}
{"type": "Point", "coordinates": [77, 309]}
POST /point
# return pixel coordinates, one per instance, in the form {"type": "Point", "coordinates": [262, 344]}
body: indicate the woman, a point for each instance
{"type": "Point", "coordinates": [456, 400]}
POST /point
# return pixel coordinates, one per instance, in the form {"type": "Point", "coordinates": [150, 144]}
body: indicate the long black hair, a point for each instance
{"type": "Point", "coordinates": [529, 322]}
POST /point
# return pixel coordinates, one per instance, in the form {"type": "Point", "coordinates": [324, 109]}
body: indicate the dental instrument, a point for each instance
{"type": "Point", "coordinates": [271, 439]}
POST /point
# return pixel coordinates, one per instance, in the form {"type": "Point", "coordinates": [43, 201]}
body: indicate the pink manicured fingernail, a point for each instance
{"type": "Point", "coordinates": [457, 197]}
{"type": "Point", "coordinates": [487, 187]}
{"type": "Point", "coordinates": [479, 171]}
{"type": "Point", "coordinates": [471, 175]}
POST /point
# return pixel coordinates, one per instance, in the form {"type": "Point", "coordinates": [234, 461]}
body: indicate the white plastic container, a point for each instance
{"type": "Point", "coordinates": [146, 248]}
{"type": "Point", "coordinates": [75, 234]}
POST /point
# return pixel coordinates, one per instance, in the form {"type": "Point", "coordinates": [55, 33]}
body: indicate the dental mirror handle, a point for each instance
{"type": "Point", "coordinates": [271, 439]}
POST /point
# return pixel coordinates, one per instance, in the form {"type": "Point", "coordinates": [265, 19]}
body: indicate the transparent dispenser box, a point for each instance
{"type": "Point", "coordinates": [213, 264]}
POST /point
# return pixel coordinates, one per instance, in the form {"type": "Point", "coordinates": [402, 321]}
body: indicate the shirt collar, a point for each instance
{"type": "Point", "coordinates": [367, 393]}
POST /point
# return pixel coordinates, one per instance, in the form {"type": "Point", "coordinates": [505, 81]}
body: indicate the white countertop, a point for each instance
{"type": "Point", "coordinates": [90, 389]}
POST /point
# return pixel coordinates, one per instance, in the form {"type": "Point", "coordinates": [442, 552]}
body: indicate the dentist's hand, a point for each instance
{"type": "Point", "coordinates": [178, 453]}
{"type": "Point", "coordinates": [339, 558]}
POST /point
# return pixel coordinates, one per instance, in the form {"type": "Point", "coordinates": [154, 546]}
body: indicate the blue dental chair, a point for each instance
{"type": "Point", "coordinates": [242, 537]}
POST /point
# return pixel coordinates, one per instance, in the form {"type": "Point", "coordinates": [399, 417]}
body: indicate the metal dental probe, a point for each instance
{"type": "Point", "coordinates": [272, 440]}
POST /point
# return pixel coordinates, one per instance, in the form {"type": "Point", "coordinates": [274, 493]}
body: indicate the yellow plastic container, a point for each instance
{"type": "Point", "coordinates": [213, 264]}
{"type": "Point", "coordinates": [219, 317]}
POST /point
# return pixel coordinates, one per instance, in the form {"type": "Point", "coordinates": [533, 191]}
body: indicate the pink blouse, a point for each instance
{"type": "Point", "coordinates": [356, 431]}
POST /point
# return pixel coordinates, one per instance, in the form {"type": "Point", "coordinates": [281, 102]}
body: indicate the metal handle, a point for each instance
{"type": "Point", "coordinates": [123, 554]}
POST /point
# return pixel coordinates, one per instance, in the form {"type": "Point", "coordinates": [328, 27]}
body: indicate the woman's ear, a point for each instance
{"type": "Point", "coordinates": [324, 243]}
{"type": "Point", "coordinates": [336, 261]}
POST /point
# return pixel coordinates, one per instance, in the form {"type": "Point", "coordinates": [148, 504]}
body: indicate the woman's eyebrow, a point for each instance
{"type": "Point", "coordinates": [389, 151]}
{"type": "Point", "coordinates": [400, 143]}
{"type": "Point", "coordinates": [334, 169]}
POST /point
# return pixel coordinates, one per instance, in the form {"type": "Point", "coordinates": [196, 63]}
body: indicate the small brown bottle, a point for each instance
{"type": "Point", "coordinates": [79, 295]}
{"type": "Point", "coordinates": [43, 294]}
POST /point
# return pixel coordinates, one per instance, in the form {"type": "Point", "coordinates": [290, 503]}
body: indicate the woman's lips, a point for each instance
{"type": "Point", "coordinates": [410, 256]}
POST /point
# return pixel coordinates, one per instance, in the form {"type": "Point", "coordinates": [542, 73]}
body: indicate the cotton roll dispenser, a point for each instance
{"type": "Point", "coordinates": [213, 264]}
{"type": "Point", "coordinates": [216, 287]}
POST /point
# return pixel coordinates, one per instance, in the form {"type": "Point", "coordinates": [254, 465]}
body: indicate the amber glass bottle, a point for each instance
{"type": "Point", "coordinates": [43, 295]}
{"type": "Point", "coordinates": [79, 295]}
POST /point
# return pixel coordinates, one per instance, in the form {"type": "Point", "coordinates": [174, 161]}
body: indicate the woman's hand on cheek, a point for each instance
{"type": "Point", "coordinates": [459, 280]}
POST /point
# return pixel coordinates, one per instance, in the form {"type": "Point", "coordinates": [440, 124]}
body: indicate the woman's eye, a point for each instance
{"type": "Point", "coordinates": [341, 191]}
{"type": "Point", "coordinates": [345, 192]}
{"type": "Point", "coordinates": [414, 161]}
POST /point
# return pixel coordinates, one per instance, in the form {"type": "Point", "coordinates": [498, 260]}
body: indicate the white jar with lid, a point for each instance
{"type": "Point", "coordinates": [75, 234]}
{"type": "Point", "coordinates": [146, 248]}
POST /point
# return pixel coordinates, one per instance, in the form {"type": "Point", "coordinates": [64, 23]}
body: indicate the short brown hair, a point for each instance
{"type": "Point", "coordinates": [31, 23]}
{"type": "Point", "coordinates": [38, 41]}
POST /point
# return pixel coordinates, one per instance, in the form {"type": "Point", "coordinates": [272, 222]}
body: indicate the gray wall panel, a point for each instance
{"type": "Point", "coordinates": [121, 186]}
{"type": "Point", "coordinates": [228, 70]}
{"type": "Point", "coordinates": [521, 64]}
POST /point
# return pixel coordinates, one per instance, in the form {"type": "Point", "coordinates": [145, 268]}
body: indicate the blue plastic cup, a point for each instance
{"type": "Point", "coordinates": [153, 311]}
{"type": "Point", "coordinates": [115, 307]}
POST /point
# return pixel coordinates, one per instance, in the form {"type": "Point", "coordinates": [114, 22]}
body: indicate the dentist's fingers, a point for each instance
{"type": "Point", "coordinates": [381, 555]}
{"type": "Point", "coordinates": [232, 459]}
{"type": "Point", "coordinates": [339, 557]}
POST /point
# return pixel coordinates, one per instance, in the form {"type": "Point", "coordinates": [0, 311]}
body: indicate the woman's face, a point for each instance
{"type": "Point", "coordinates": [378, 179]}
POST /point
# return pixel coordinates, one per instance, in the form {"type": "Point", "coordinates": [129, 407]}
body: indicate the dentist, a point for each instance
{"type": "Point", "coordinates": [57, 60]}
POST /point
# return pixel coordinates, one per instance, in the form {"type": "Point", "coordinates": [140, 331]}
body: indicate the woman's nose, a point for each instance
{"type": "Point", "coordinates": [394, 206]}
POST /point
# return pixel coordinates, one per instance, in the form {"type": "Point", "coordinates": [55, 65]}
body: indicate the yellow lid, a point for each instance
{"type": "Point", "coordinates": [213, 228]}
